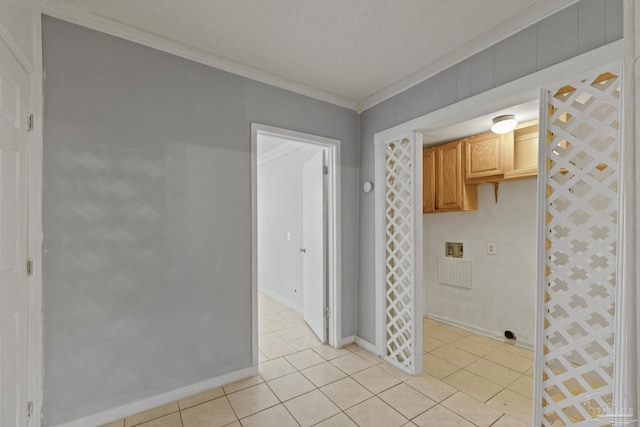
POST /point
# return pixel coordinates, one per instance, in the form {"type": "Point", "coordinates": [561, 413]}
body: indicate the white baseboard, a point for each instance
{"type": "Point", "coordinates": [346, 341]}
{"type": "Point", "coordinates": [371, 348]}
{"type": "Point", "coordinates": [481, 331]}
{"type": "Point", "coordinates": [127, 410]}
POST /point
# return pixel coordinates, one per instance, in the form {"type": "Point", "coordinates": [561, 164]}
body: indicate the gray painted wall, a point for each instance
{"type": "Point", "coordinates": [577, 29]}
{"type": "Point", "coordinates": [147, 242]}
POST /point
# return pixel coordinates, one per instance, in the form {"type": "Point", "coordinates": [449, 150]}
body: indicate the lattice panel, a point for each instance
{"type": "Point", "coordinates": [399, 230]}
{"type": "Point", "coordinates": [581, 178]}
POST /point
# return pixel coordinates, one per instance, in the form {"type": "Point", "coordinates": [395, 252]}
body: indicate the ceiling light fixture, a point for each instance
{"type": "Point", "coordinates": [504, 124]}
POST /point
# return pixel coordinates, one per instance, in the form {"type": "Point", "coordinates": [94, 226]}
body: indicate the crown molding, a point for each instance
{"type": "Point", "coordinates": [489, 38]}
{"type": "Point", "coordinates": [119, 29]}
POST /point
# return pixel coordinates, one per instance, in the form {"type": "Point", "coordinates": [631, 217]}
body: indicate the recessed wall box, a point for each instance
{"type": "Point", "coordinates": [452, 249]}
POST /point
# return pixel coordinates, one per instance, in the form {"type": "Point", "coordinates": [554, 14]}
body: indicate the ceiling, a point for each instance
{"type": "Point", "coordinates": [353, 53]}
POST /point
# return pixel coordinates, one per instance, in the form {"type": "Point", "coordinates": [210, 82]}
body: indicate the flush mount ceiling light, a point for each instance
{"type": "Point", "coordinates": [504, 124]}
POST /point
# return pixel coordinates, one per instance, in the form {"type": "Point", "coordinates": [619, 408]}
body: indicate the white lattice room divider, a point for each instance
{"type": "Point", "coordinates": [402, 336]}
{"type": "Point", "coordinates": [580, 140]}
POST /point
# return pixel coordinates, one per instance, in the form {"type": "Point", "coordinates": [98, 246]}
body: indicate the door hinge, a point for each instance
{"type": "Point", "coordinates": [30, 121]}
{"type": "Point", "coordinates": [325, 170]}
{"type": "Point", "coordinates": [327, 312]}
{"type": "Point", "coordinates": [29, 409]}
{"type": "Point", "coordinates": [29, 266]}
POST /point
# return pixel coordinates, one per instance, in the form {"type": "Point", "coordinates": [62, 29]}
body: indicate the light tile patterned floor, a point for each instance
{"type": "Point", "coordinates": [468, 380]}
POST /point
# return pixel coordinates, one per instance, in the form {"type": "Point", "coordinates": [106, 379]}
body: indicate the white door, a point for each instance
{"type": "Point", "coordinates": [14, 319]}
{"type": "Point", "coordinates": [313, 255]}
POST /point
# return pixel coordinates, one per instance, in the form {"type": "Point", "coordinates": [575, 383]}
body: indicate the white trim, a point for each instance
{"type": "Point", "coordinates": [334, 242]}
{"type": "Point", "coordinates": [371, 348]}
{"type": "Point", "coordinates": [380, 249]}
{"type": "Point", "coordinates": [513, 93]}
{"type": "Point", "coordinates": [278, 152]}
{"type": "Point", "coordinates": [538, 363]}
{"type": "Point", "coordinates": [283, 300]}
{"type": "Point", "coordinates": [119, 29]}
{"type": "Point", "coordinates": [129, 409]}
{"type": "Point", "coordinates": [477, 330]}
{"type": "Point", "coordinates": [486, 40]}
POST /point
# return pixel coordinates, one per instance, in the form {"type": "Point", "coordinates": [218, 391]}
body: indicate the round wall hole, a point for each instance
{"type": "Point", "coordinates": [510, 335]}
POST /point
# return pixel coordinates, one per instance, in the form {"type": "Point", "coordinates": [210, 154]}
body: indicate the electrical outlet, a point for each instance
{"type": "Point", "coordinates": [491, 248]}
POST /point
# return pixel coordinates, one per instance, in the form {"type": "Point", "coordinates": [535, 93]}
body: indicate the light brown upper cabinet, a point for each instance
{"type": "Point", "coordinates": [444, 189]}
{"type": "Point", "coordinates": [485, 156]}
{"type": "Point", "coordinates": [521, 157]}
{"type": "Point", "coordinates": [429, 180]}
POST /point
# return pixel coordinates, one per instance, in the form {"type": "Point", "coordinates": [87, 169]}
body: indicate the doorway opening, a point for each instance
{"type": "Point", "coordinates": [295, 236]}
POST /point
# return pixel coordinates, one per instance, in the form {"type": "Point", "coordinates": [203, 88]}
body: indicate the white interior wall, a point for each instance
{"type": "Point", "coordinates": [280, 216]}
{"type": "Point", "coordinates": [502, 295]}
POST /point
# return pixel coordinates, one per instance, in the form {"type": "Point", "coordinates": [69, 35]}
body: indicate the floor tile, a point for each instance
{"type": "Point", "coordinates": [472, 345]}
{"type": "Point", "coordinates": [267, 318]}
{"type": "Point", "coordinates": [311, 408]}
{"type": "Point", "coordinates": [454, 355]}
{"type": "Point", "coordinates": [304, 359]}
{"type": "Point", "coordinates": [251, 400]}
{"type": "Point", "coordinates": [439, 416]}
{"type": "Point", "coordinates": [472, 384]}
{"type": "Point", "coordinates": [513, 404]}
{"type": "Point", "coordinates": [215, 413]}
{"type": "Point", "coordinates": [520, 351]}
{"type": "Point", "coordinates": [396, 372]}
{"type": "Point", "coordinates": [430, 323]}
{"type": "Point", "coordinates": [431, 387]}
{"type": "Point", "coordinates": [323, 374]}
{"type": "Point", "coordinates": [346, 393]}
{"type": "Point", "coordinates": [430, 343]}
{"type": "Point", "coordinates": [493, 372]}
{"type": "Point", "coordinates": [375, 413]}
{"type": "Point", "coordinates": [171, 420]}
{"type": "Point", "coordinates": [290, 386]}
{"type": "Point", "coordinates": [523, 386]}
{"type": "Point", "coordinates": [351, 363]}
{"type": "Point", "coordinates": [278, 325]}
{"type": "Point", "coordinates": [290, 333]}
{"type": "Point", "coordinates": [151, 414]}
{"type": "Point", "coordinates": [530, 372]}
{"type": "Point", "coordinates": [443, 334]}
{"type": "Point", "coordinates": [329, 353]}
{"type": "Point", "coordinates": [366, 355]}
{"type": "Point", "coordinates": [508, 421]}
{"type": "Point", "coordinates": [340, 420]}
{"type": "Point", "coordinates": [375, 379]}
{"type": "Point", "coordinates": [242, 384]}
{"type": "Point", "coordinates": [455, 330]}
{"type": "Point", "coordinates": [510, 360]}
{"type": "Point", "coordinates": [353, 347]}
{"type": "Point", "coordinates": [278, 349]}
{"type": "Point", "coordinates": [277, 416]}
{"type": "Point", "coordinates": [437, 367]}
{"type": "Point", "coordinates": [471, 409]}
{"type": "Point", "coordinates": [275, 368]}
{"type": "Point", "coordinates": [201, 398]}
{"type": "Point", "coordinates": [304, 342]}
{"type": "Point", "coordinates": [268, 338]}
{"type": "Point", "coordinates": [119, 423]}
{"type": "Point", "coordinates": [406, 400]}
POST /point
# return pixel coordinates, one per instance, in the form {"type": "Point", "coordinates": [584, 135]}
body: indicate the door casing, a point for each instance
{"type": "Point", "coordinates": [334, 236]}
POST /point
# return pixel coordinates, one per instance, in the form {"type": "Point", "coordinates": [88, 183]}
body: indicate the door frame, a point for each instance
{"type": "Point", "coordinates": [334, 236]}
{"type": "Point", "coordinates": [513, 93]}
{"type": "Point", "coordinates": [34, 212]}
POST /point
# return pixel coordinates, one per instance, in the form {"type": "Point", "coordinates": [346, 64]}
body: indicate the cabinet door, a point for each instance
{"type": "Point", "coordinates": [429, 180]}
{"type": "Point", "coordinates": [449, 177]}
{"type": "Point", "coordinates": [485, 155]}
{"type": "Point", "coordinates": [522, 156]}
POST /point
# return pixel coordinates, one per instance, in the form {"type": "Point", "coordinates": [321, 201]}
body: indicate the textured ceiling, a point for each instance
{"type": "Point", "coordinates": [354, 49]}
